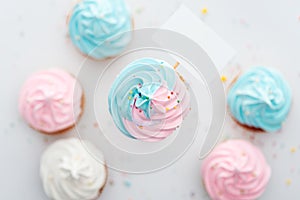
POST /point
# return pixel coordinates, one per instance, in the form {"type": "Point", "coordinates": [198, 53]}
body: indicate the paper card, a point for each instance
{"type": "Point", "coordinates": [184, 21]}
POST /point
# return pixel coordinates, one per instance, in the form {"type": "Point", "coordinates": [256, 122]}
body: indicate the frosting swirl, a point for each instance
{"type": "Point", "coordinates": [68, 171]}
{"type": "Point", "coordinates": [51, 101]}
{"type": "Point", "coordinates": [235, 170]}
{"type": "Point", "coordinates": [260, 98]}
{"type": "Point", "coordinates": [148, 100]}
{"type": "Point", "coordinates": [96, 27]}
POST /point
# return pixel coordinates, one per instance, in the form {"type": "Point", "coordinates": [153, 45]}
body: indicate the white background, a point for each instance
{"type": "Point", "coordinates": [34, 37]}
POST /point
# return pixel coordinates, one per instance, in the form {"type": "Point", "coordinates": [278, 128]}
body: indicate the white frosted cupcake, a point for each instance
{"type": "Point", "coordinates": [69, 172]}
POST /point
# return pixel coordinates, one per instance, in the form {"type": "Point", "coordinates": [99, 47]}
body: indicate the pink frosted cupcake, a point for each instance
{"type": "Point", "coordinates": [235, 170]}
{"type": "Point", "coordinates": [51, 101]}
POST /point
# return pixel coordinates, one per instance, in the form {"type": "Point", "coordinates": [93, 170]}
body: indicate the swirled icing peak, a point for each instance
{"type": "Point", "coordinates": [100, 28]}
{"type": "Point", "coordinates": [261, 99]}
{"type": "Point", "coordinates": [51, 101]}
{"type": "Point", "coordinates": [148, 100]}
{"type": "Point", "coordinates": [235, 170]}
{"type": "Point", "coordinates": [68, 171]}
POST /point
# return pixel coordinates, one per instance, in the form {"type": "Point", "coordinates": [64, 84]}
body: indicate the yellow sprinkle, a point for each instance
{"type": "Point", "coordinates": [223, 78]}
{"type": "Point", "coordinates": [176, 65]}
{"type": "Point", "coordinates": [288, 182]}
{"type": "Point", "coordinates": [293, 150]}
{"type": "Point", "coordinates": [129, 98]}
{"type": "Point", "coordinates": [204, 10]}
{"type": "Point", "coordinates": [175, 107]}
{"type": "Point", "coordinates": [167, 109]}
{"type": "Point", "coordinates": [130, 92]}
{"type": "Point", "coordinates": [181, 78]}
{"type": "Point", "coordinates": [141, 127]}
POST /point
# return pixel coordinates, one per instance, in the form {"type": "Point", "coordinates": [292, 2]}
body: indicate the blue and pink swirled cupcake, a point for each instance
{"type": "Point", "coordinates": [148, 100]}
{"type": "Point", "coordinates": [100, 28]}
{"type": "Point", "coordinates": [260, 99]}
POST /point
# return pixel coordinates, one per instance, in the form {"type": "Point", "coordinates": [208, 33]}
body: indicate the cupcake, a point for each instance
{"type": "Point", "coordinates": [235, 170]}
{"type": "Point", "coordinates": [148, 100]}
{"type": "Point", "coordinates": [100, 28]}
{"type": "Point", "coordinates": [51, 101]}
{"type": "Point", "coordinates": [260, 99]}
{"type": "Point", "coordinates": [69, 172]}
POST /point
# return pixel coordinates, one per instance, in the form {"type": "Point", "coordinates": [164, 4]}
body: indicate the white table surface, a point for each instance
{"type": "Point", "coordinates": [34, 37]}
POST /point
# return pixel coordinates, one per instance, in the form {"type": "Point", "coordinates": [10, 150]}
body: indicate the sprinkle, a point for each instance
{"type": "Point", "coordinates": [178, 101]}
{"type": "Point", "coordinates": [129, 98]}
{"type": "Point", "coordinates": [130, 92]}
{"type": "Point", "coordinates": [150, 107]}
{"type": "Point", "coordinates": [169, 97]}
{"type": "Point", "coordinates": [127, 184]}
{"type": "Point", "coordinates": [46, 140]}
{"type": "Point", "coordinates": [172, 93]}
{"type": "Point", "coordinates": [242, 191]}
{"type": "Point", "coordinates": [96, 125]}
{"type": "Point", "coordinates": [175, 107]}
{"type": "Point", "coordinates": [140, 111]}
{"type": "Point", "coordinates": [223, 79]}
{"type": "Point", "coordinates": [293, 150]}
{"type": "Point", "coordinates": [141, 127]}
{"type": "Point", "coordinates": [167, 109]}
{"type": "Point", "coordinates": [181, 78]}
{"type": "Point", "coordinates": [288, 182]}
{"type": "Point", "coordinates": [176, 65]}
{"type": "Point", "coordinates": [204, 11]}
{"type": "Point", "coordinates": [111, 182]}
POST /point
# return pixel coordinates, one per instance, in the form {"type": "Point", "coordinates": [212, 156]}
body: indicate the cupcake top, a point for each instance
{"type": "Point", "coordinates": [96, 27]}
{"type": "Point", "coordinates": [235, 170]}
{"type": "Point", "coordinates": [148, 100]}
{"type": "Point", "coordinates": [51, 101]}
{"type": "Point", "coordinates": [68, 171]}
{"type": "Point", "coordinates": [261, 99]}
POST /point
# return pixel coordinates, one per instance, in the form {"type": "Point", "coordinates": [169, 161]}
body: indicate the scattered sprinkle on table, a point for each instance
{"type": "Point", "coordinates": [204, 11]}
{"type": "Point", "coordinates": [293, 150]}
{"type": "Point", "coordinates": [288, 182]}
{"type": "Point", "coordinates": [223, 78]}
{"type": "Point", "coordinates": [127, 184]}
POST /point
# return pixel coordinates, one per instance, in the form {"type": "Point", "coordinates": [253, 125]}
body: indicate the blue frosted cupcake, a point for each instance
{"type": "Point", "coordinates": [100, 28]}
{"type": "Point", "coordinates": [260, 99]}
